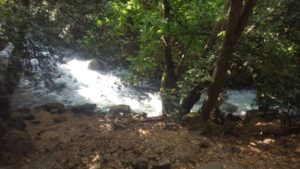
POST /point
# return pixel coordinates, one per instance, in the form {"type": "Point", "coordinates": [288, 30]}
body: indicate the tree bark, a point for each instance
{"type": "Point", "coordinates": [238, 18]}
{"type": "Point", "coordinates": [190, 100]}
{"type": "Point", "coordinates": [170, 79]}
{"type": "Point", "coordinates": [13, 71]}
{"type": "Point", "coordinates": [168, 82]}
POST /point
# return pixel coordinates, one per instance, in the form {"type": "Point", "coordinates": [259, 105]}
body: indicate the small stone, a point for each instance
{"type": "Point", "coordinates": [95, 166]}
{"type": "Point", "coordinates": [204, 144]}
{"type": "Point", "coordinates": [28, 117]}
{"type": "Point", "coordinates": [106, 157]}
{"type": "Point", "coordinates": [35, 122]}
{"type": "Point", "coordinates": [8, 167]}
{"type": "Point", "coordinates": [17, 123]}
{"type": "Point", "coordinates": [234, 149]}
{"type": "Point", "coordinates": [297, 149]}
{"type": "Point", "coordinates": [117, 109]}
{"type": "Point", "coordinates": [140, 164]}
{"type": "Point", "coordinates": [126, 146]}
{"type": "Point", "coordinates": [162, 164]}
{"type": "Point", "coordinates": [211, 165]}
{"type": "Point", "coordinates": [186, 157]}
{"type": "Point", "coordinates": [113, 149]}
{"type": "Point", "coordinates": [59, 119]}
{"type": "Point", "coordinates": [54, 108]}
{"type": "Point", "coordinates": [171, 126]}
{"type": "Point", "coordinates": [119, 126]}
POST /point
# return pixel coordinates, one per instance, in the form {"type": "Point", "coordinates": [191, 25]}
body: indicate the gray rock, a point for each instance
{"type": "Point", "coordinates": [117, 109]}
{"type": "Point", "coordinates": [162, 164]}
{"type": "Point", "coordinates": [97, 65]}
{"type": "Point", "coordinates": [211, 165]}
{"type": "Point", "coordinates": [87, 109]}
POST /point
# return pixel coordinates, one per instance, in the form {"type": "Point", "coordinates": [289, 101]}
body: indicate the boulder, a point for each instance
{"type": "Point", "coordinates": [119, 109]}
{"type": "Point", "coordinates": [97, 65]}
{"type": "Point", "coordinates": [87, 109]}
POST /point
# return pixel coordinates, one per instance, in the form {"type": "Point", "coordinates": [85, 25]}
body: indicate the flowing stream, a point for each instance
{"type": "Point", "coordinates": [76, 84]}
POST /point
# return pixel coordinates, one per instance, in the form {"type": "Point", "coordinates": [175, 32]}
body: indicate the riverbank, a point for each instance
{"type": "Point", "coordinates": [98, 141]}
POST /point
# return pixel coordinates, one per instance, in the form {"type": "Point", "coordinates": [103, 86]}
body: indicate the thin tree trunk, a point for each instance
{"type": "Point", "coordinates": [238, 17]}
{"type": "Point", "coordinates": [190, 100]}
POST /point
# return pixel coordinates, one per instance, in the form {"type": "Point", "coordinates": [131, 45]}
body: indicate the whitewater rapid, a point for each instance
{"type": "Point", "coordinates": [75, 84]}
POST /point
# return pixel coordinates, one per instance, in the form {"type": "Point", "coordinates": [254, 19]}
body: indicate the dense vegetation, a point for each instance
{"type": "Point", "coordinates": [190, 46]}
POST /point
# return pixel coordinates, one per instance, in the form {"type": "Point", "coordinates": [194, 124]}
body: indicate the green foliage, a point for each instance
{"type": "Point", "coordinates": [140, 25]}
{"type": "Point", "coordinates": [270, 52]}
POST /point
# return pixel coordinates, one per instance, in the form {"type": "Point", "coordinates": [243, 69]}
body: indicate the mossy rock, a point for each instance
{"type": "Point", "coordinates": [194, 121]}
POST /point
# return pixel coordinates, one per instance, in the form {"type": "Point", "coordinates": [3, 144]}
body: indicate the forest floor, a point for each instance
{"type": "Point", "coordinates": [68, 141]}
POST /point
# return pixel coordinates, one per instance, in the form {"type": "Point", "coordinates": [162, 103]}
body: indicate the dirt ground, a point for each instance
{"type": "Point", "coordinates": [68, 141]}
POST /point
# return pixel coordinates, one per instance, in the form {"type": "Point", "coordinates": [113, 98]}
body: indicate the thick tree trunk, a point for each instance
{"type": "Point", "coordinates": [168, 82]}
{"type": "Point", "coordinates": [170, 79]}
{"type": "Point", "coordinates": [238, 17]}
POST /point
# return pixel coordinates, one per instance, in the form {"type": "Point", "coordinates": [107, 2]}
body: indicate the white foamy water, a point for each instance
{"type": "Point", "coordinates": [80, 85]}
{"type": "Point", "coordinates": [76, 84]}
{"type": "Point", "coordinates": [106, 89]}
{"type": "Point", "coordinates": [244, 100]}
{"type": "Point", "coordinates": [5, 53]}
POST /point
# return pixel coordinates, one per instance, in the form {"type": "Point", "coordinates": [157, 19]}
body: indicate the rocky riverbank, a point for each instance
{"type": "Point", "coordinates": [120, 139]}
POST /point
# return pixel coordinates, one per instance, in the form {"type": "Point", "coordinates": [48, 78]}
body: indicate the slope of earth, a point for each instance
{"type": "Point", "coordinates": [69, 141]}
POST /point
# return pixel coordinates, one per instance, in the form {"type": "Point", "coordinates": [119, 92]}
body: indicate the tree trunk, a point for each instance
{"type": "Point", "coordinates": [190, 100]}
{"type": "Point", "coordinates": [238, 17]}
{"type": "Point", "coordinates": [168, 82]}
{"type": "Point", "coordinates": [13, 71]}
